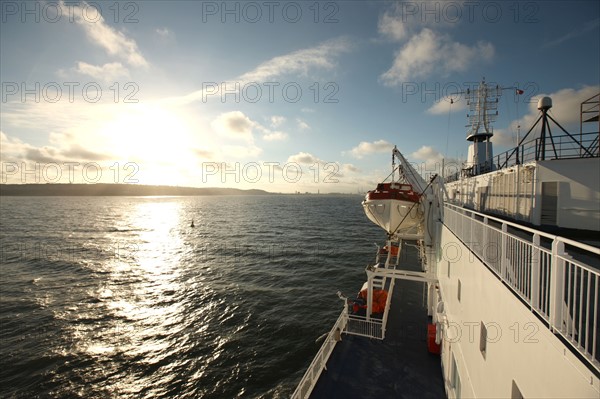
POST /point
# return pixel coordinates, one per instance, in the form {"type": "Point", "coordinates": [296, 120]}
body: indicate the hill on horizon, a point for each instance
{"type": "Point", "coordinates": [108, 189]}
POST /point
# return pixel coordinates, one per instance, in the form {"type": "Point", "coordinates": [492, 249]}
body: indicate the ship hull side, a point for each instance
{"type": "Point", "coordinates": [520, 353]}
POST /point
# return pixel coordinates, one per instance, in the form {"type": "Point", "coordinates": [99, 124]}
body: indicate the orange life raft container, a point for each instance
{"type": "Point", "coordinates": [379, 299]}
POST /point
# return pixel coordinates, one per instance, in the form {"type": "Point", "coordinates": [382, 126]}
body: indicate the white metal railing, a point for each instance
{"type": "Point", "coordinates": [310, 378]}
{"type": "Point", "coordinates": [387, 307]}
{"type": "Point", "coordinates": [562, 290]}
{"type": "Point", "coordinates": [360, 325]}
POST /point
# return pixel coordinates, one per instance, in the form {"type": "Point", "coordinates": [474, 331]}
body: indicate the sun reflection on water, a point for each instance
{"type": "Point", "coordinates": [137, 312]}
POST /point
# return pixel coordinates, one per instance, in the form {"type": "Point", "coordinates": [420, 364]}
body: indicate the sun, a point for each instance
{"type": "Point", "coordinates": [156, 139]}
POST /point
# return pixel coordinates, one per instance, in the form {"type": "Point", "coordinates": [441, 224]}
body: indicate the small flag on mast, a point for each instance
{"type": "Point", "coordinates": [520, 91]}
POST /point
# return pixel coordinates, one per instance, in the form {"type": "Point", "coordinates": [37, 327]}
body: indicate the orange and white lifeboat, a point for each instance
{"type": "Point", "coordinates": [395, 207]}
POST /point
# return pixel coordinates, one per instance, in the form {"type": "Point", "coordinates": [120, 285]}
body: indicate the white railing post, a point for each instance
{"type": "Point", "coordinates": [503, 252]}
{"type": "Point", "coordinates": [535, 272]}
{"type": "Point", "coordinates": [470, 242]}
{"type": "Point", "coordinates": [370, 293]}
{"type": "Point", "coordinates": [557, 284]}
{"type": "Point", "coordinates": [485, 244]}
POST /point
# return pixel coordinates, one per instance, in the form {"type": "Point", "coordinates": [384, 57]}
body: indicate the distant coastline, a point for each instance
{"type": "Point", "coordinates": [102, 189]}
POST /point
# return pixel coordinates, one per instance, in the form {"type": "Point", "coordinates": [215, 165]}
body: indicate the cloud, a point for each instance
{"type": "Point", "coordinates": [330, 171]}
{"type": "Point", "coordinates": [427, 153]}
{"type": "Point", "coordinates": [304, 158]}
{"type": "Point", "coordinates": [80, 153]}
{"type": "Point", "coordinates": [204, 154]}
{"type": "Point", "coordinates": [430, 53]}
{"type": "Point", "coordinates": [237, 125]}
{"type": "Point", "coordinates": [444, 106]}
{"type": "Point", "coordinates": [348, 167]}
{"type": "Point", "coordinates": [164, 32]}
{"type": "Point", "coordinates": [299, 62]}
{"type": "Point", "coordinates": [302, 125]}
{"type": "Point", "coordinates": [504, 138]}
{"type": "Point", "coordinates": [242, 151]}
{"type": "Point", "coordinates": [565, 109]}
{"type": "Point", "coordinates": [579, 31]}
{"type": "Point", "coordinates": [114, 42]}
{"type": "Point", "coordinates": [277, 121]}
{"type": "Point", "coordinates": [392, 27]}
{"type": "Point", "coordinates": [108, 72]}
{"type": "Point", "coordinates": [275, 136]}
{"type": "Point", "coordinates": [15, 150]}
{"type": "Point", "coordinates": [403, 19]}
{"type": "Point", "coordinates": [164, 36]}
{"type": "Point", "coordinates": [428, 161]}
{"type": "Point", "coordinates": [365, 148]}
{"type": "Point", "coordinates": [234, 124]}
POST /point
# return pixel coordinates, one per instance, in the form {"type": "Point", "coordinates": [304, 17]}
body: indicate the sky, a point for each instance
{"type": "Point", "coordinates": [281, 96]}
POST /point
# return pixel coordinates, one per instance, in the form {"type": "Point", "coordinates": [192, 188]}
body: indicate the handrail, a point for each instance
{"type": "Point", "coordinates": [562, 290]}
{"type": "Point", "coordinates": [312, 374]}
{"type": "Point", "coordinates": [530, 151]}
{"type": "Point", "coordinates": [586, 247]}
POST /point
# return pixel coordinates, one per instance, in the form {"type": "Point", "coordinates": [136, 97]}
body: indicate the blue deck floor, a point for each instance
{"type": "Point", "coordinates": [397, 367]}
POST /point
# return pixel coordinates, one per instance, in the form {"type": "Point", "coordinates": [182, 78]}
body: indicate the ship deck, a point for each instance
{"type": "Point", "coordinates": [397, 367]}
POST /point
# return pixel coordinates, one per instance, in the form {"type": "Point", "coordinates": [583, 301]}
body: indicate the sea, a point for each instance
{"type": "Point", "coordinates": [120, 297]}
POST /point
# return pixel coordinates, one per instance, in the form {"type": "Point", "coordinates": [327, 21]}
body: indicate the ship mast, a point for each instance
{"type": "Point", "coordinates": [483, 107]}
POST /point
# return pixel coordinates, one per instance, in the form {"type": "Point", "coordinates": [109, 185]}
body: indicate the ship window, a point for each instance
{"type": "Point", "coordinates": [516, 392]}
{"type": "Point", "coordinates": [459, 289]}
{"type": "Point", "coordinates": [455, 379]}
{"type": "Point", "coordinates": [483, 339]}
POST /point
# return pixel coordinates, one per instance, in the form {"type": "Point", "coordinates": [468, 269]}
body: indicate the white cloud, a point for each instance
{"type": "Point", "coordinates": [430, 53]}
{"type": "Point", "coordinates": [365, 148]}
{"type": "Point", "coordinates": [579, 31]}
{"type": "Point", "coordinates": [108, 72]}
{"type": "Point", "coordinates": [277, 121]}
{"type": "Point", "coordinates": [348, 167]}
{"type": "Point", "coordinates": [11, 148]}
{"type": "Point", "coordinates": [299, 62]}
{"type": "Point", "coordinates": [428, 161]}
{"type": "Point", "coordinates": [114, 42]}
{"type": "Point", "coordinates": [402, 19]}
{"type": "Point", "coordinates": [565, 110]}
{"type": "Point", "coordinates": [304, 158]}
{"type": "Point", "coordinates": [242, 151]}
{"type": "Point", "coordinates": [302, 125]}
{"type": "Point", "coordinates": [504, 138]}
{"type": "Point", "coordinates": [392, 26]}
{"type": "Point", "coordinates": [565, 106]}
{"type": "Point", "coordinates": [62, 148]}
{"type": "Point", "coordinates": [164, 32]}
{"type": "Point", "coordinates": [275, 136]}
{"type": "Point", "coordinates": [234, 125]}
{"type": "Point", "coordinates": [444, 106]}
{"type": "Point", "coordinates": [427, 153]}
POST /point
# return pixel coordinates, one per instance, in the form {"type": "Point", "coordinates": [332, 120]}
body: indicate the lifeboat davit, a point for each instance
{"type": "Point", "coordinates": [395, 207]}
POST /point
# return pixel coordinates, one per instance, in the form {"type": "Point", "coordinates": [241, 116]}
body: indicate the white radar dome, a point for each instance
{"type": "Point", "coordinates": [544, 103]}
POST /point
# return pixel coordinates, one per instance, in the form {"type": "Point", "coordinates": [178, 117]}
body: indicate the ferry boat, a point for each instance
{"type": "Point", "coordinates": [492, 291]}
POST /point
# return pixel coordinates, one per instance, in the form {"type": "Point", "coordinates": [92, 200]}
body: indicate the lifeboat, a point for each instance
{"type": "Point", "coordinates": [395, 207]}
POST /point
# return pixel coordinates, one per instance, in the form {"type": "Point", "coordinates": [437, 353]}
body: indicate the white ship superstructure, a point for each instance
{"type": "Point", "coordinates": [511, 304]}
